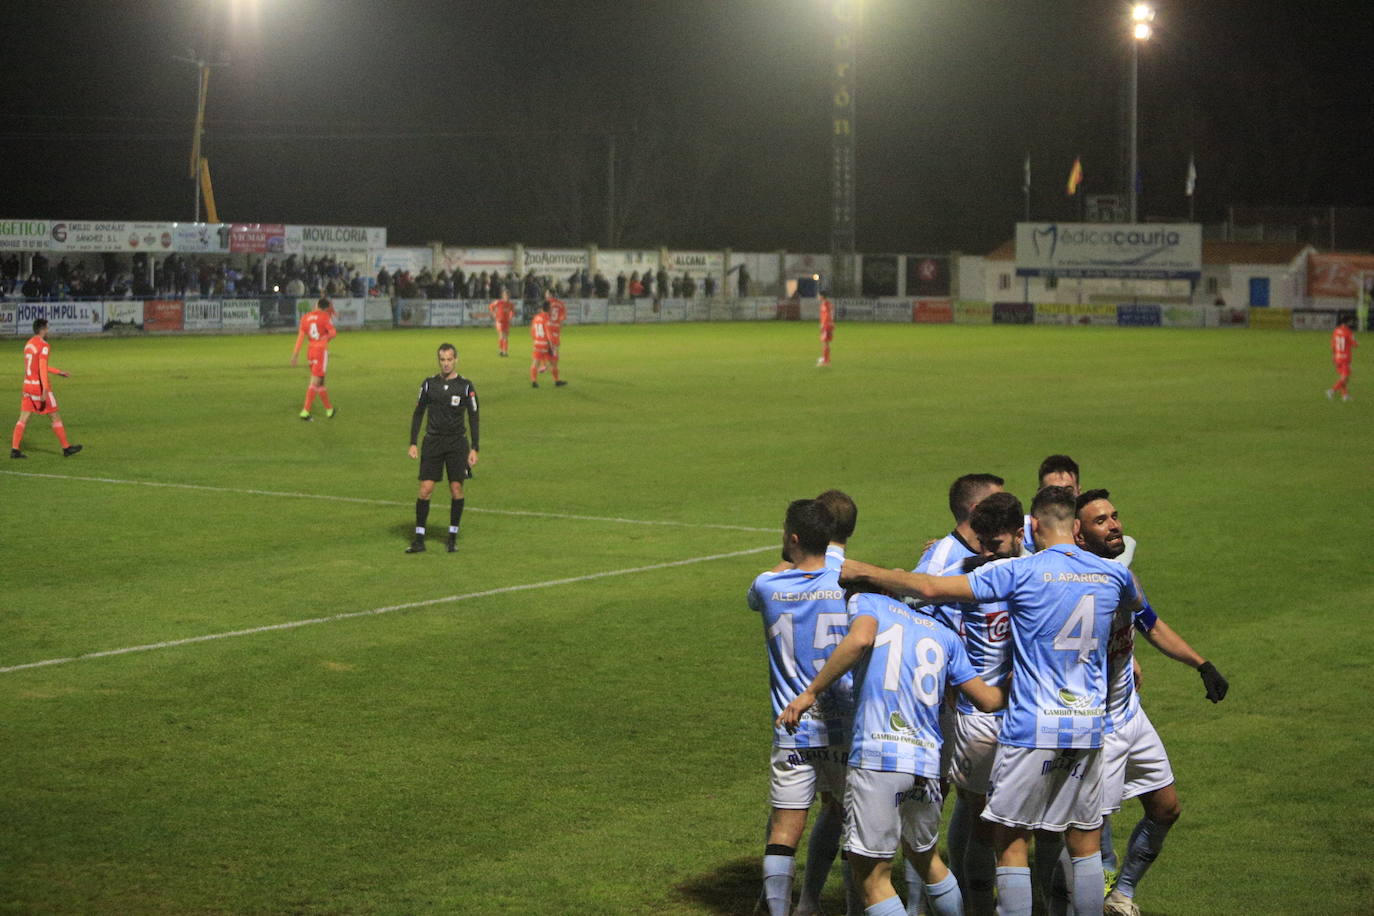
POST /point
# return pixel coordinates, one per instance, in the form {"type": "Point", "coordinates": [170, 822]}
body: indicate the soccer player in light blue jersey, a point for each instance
{"type": "Point", "coordinates": [1049, 762]}
{"type": "Point", "coordinates": [1062, 471]}
{"type": "Point", "coordinates": [903, 661]}
{"type": "Point", "coordinates": [1135, 764]}
{"type": "Point", "coordinates": [941, 558]}
{"type": "Point", "coordinates": [996, 523]}
{"type": "Point", "coordinates": [804, 618]}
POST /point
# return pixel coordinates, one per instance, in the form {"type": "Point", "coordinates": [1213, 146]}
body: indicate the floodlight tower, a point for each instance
{"type": "Point", "coordinates": [1142, 15]}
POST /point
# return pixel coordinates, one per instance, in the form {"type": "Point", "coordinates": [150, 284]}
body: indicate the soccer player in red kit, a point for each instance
{"type": "Point", "coordinates": [38, 397]}
{"type": "Point", "coordinates": [827, 330]}
{"type": "Point", "coordinates": [1343, 344]}
{"type": "Point", "coordinates": [558, 313]}
{"type": "Point", "coordinates": [543, 348]}
{"type": "Point", "coordinates": [502, 311]}
{"type": "Point", "coordinates": [317, 326]}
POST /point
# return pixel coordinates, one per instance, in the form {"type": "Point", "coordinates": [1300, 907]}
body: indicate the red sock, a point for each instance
{"type": "Point", "coordinates": [61, 433]}
{"type": "Point", "coordinates": [18, 436]}
{"type": "Point", "coordinates": [825, 353]}
{"type": "Point", "coordinates": [534, 372]}
{"type": "Point", "coordinates": [324, 398]}
{"type": "Point", "coordinates": [309, 397]}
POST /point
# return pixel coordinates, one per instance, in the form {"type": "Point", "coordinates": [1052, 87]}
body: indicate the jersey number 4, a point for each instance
{"type": "Point", "coordinates": [1076, 635]}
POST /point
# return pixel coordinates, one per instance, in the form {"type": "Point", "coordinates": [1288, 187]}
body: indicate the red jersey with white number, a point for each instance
{"type": "Point", "coordinates": [317, 327]}
{"type": "Point", "coordinates": [539, 333]}
{"type": "Point", "coordinates": [827, 315]}
{"type": "Point", "coordinates": [1343, 343]}
{"type": "Point", "coordinates": [36, 365]}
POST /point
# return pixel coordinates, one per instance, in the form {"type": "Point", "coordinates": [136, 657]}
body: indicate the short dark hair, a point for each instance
{"type": "Point", "coordinates": [811, 522]}
{"type": "Point", "coordinates": [999, 513]}
{"type": "Point", "coordinates": [1090, 496]}
{"type": "Point", "coordinates": [1054, 503]}
{"type": "Point", "coordinates": [39, 324]}
{"type": "Point", "coordinates": [843, 510]}
{"type": "Point", "coordinates": [964, 492]}
{"type": "Point", "coordinates": [447, 346]}
{"type": "Point", "coordinates": [324, 303]}
{"type": "Point", "coordinates": [1055, 463]}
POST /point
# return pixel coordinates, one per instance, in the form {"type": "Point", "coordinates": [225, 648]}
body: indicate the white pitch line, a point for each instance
{"type": "Point", "coordinates": [383, 502]}
{"type": "Point", "coordinates": [294, 624]}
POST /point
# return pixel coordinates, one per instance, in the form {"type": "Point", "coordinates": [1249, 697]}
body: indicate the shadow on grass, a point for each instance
{"type": "Point", "coordinates": [731, 890]}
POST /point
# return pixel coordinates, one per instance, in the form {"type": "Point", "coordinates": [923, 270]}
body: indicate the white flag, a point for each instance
{"type": "Point", "coordinates": [1191, 180]}
{"type": "Point", "coordinates": [1025, 176]}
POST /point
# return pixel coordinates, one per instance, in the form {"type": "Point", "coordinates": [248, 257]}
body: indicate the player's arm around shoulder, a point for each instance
{"type": "Point", "coordinates": [900, 583]}
{"type": "Point", "coordinates": [863, 629]}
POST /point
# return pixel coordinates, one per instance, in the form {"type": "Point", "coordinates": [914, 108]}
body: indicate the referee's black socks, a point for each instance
{"type": "Point", "coordinates": [455, 515]}
{"type": "Point", "coordinates": [421, 515]}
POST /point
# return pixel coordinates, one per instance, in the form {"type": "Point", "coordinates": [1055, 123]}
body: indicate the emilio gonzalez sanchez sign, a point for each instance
{"type": "Point", "coordinates": [1156, 251]}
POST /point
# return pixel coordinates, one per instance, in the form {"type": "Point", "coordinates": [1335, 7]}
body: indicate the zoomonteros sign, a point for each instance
{"type": "Point", "coordinates": [1156, 251]}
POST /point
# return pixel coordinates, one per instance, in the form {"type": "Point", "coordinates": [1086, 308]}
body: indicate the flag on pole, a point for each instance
{"type": "Point", "coordinates": [1191, 181]}
{"type": "Point", "coordinates": [1075, 176]}
{"type": "Point", "coordinates": [1025, 175]}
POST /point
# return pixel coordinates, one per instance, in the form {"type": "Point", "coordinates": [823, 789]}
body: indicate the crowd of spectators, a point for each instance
{"type": "Point", "coordinates": [179, 275]}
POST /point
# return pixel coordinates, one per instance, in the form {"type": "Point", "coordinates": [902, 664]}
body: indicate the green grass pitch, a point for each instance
{"type": "Point", "coordinates": [567, 717]}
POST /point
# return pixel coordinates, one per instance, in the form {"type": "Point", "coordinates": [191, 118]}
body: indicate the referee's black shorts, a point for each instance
{"type": "Point", "coordinates": [439, 454]}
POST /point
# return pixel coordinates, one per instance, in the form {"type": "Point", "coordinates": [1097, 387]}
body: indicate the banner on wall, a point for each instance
{"type": "Point", "coordinates": [933, 311]}
{"type": "Point", "coordinates": [1332, 276]}
{"type": "Point", "coordinates": [162, 315]}
{"type": "Point", "coordinates": [8, 320]}
{"type": "Point", "coordinates": [24, 235]}
{"type": "Point", "coordinates": [62, 317]}
{"type": "Point", "coordinates": [201, 238]}
{"type": "Point", "coordinates": [1314, 320]}
{"type": "Point", "coordinates": [557, 262]}
{"type": "Point", "coordinates": [479, 260]}
{"type": "Point", "coordinates": [201, 315]}
{"type": "Point", "coordinates": [1272, 319]}
{"type": "Point", "coordinates": [972, 312]}
{"type": "Point", "coordinates": [1138, 315]}
{"type": "Point", "coordinates": [354, 245]}
{"type": "Point", "coordinates": [1074, 313]}
{"type": "Point", "coordinates": [1148, 251]}
{"type": "Point", "coordinates": [70, 235]}
{"type": "Point", "coordinates": [123, 315]}
{"type": "Point", "coordinates": [927, 275]}
{"type": "Point", "coordinates": [239, 314]}
{"type": "Point", "coordinates": [257, 238]}
{"type": "Point", "coordinates": [1012, 313]}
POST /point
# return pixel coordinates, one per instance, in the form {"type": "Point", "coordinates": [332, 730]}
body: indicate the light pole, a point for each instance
{"type": "Point", "coordinates": [1142, 14]}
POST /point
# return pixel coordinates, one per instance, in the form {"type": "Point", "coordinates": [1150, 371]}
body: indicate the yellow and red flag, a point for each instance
{"type": "Point", "coordinates": [1075, 176]}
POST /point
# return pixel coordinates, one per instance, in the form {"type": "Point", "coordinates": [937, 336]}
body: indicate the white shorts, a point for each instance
{"type": "Point", "coordinates": [1133, 762]}
{"type": "Point", "coordinates": [975, 749]}
{"type": "Point", "coordinates": [882, 809]}
{"type": "Point", "coordinates": [798, 773]}
{"type": "Point", "coordinates": [1046, 788]}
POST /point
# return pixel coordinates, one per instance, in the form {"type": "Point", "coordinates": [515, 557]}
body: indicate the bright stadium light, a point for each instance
{"type": "Point", "coordinates": [1142, 14]}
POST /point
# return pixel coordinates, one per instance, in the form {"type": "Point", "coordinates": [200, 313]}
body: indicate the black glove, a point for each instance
{"type": "Point", "coordinates": [1211, 679]}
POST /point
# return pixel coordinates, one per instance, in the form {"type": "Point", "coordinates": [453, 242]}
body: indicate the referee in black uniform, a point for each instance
{"type": "Point", "coordinates": [449, 398]}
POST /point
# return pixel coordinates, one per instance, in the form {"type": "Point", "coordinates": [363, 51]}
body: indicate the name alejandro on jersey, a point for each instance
{"type": "Point", "coordinates": [821, 594]}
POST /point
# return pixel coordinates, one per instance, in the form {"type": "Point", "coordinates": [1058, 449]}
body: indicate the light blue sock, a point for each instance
{"type": "Point", "coordinates": [960, 826]}
{"type": "Point", "coordinates": [945, 899]}
{"type": "Point", "coordinates": [892, 906]}
{"type": "Point", "coordinates": [1014, 891]}
{"type": "Point", "coordinates": [1147, 839]}
{"type": "Point", "coordinates": [915, 890]}
{"type": "Point", "coordinates": [980, 875]}
{"type": "Point", "coordinates": [777, 883]}
{"type": "Point", "coordinates": [1087, 885]}
{"type": "Point", "coordinates": [1108, 850]}
{"type": "Point", "coordinates": [821, 848]}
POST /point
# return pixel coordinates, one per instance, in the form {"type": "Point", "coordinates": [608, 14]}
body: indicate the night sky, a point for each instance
{"type": "Point", "coordinates": [481, 123]}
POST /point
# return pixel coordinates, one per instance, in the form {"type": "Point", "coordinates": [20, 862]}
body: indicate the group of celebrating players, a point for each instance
{"type": "Point", "coordinates": [1002, 664]}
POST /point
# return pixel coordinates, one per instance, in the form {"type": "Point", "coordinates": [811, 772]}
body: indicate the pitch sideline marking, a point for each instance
{"type": "Point", "coordinates": [381, 502]}
{"type": "Point", "coordinates": [294, 624]}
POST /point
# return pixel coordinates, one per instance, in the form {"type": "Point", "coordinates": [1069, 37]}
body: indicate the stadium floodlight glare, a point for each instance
{"type": "Point", "coordinates": [1142, 12]}
{"type": "Point", "coordinates": [1142, 31]}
